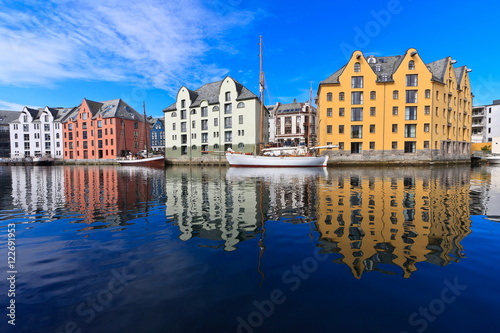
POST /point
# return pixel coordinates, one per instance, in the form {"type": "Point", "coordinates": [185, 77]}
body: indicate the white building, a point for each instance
{"type": "Point", "coordinates": [215, 117]}
{"type": "Point", "coordinates": [37, 132]}
{"type": "Point", "coordinates": [486, 122]}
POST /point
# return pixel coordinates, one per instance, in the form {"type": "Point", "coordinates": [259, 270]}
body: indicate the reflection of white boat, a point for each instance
{"type": "Point", "coordinates": [147, 161]}
{"type": "Point", "coordinates": [494, 159]}
{"type": "Point", "coordinates": [242, 160]}
{"type": "Point", "coordinates": [278, 173]}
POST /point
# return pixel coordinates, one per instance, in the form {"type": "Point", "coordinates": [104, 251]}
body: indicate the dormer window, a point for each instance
{"type": "Point", "coordinates": [411, 65]}
{"type": "Point", "coordinates": [357, 67]}
{"type": "Point", "coordinates": [378, 68]}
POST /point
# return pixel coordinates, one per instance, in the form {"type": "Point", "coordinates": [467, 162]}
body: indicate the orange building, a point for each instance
{"type": "Point", "coordinates": [103, 130]}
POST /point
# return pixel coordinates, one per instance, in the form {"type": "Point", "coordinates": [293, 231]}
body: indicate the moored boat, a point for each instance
{"type": "Point", "coordinates": [494, 159]}
{"type": "Point", "coordinates": [147, 161]}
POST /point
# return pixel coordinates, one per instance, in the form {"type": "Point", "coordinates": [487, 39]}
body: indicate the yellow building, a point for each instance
{"type": "Point", "coordinates": [396, 109]}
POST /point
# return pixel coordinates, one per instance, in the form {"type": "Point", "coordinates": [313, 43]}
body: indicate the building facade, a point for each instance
{"type": "Point", "coordinates": [5, 118]}
{"type": "Point", "coordinates": [292, 124]}
{"type": "Point", "coordinates": [396, 109]}
{"type": "Point", "coordinates": [215, 117]}
{"type": "Point", "coordinates": [38, 132]}
{"type": "Point", "coordinates": [103, 130]}
{"type": "Point", "coordinates": [486, 122]}
{"type": "Point", "coordinates": [157, 135]}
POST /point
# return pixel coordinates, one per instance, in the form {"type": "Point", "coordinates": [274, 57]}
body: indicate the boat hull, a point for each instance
{"type": "Point", "coordinates": [241, 160]}
{"type": "Point", "coordinates": [150, 161]}
{"type": "Point", "coordinates": [493, 159]}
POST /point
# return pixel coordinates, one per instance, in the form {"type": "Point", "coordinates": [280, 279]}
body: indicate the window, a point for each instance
{"type": "Point", "coordinates": [411, 96]}
{"type": "Point", "coordinates": [204, 111]}
{"type": "Point", "coordinates": [373, 111]}
{"type": "Point", "coordinates": [384, 78]}
{"type": "Point", "coordinates": [183, 127]}
{"type": "Point", "coordinates": [215, 108]}
{"type": "Point", "coordinates": [357, 67]}
{"type": "Point", "coordinates": [329, 97]}
{"type": "Point", "coordinates": [427, 93]}
{"type": "Point", "coordinates": [228, 96]}
{"type": "Point", "coordinates": [356, 114]}
{"type": "Point", "coordinates": [411, 80]}
{"type": "Point", "coordinates": [426, 127]}
{"type": "Point", "coordinates": [372, 145]}
{"type": "Point", "coordinates": [426, 144]}
{"type": "Point", "coordinates": [204, 125]}
{"type": "Point", "coordinates": [228, 123]}
{"type": "Point", "coordinates": [216, 122]}
{"type": "Point", "coordinates": [378, 68]}
{"type": "Point", "coordinates": [84, 116]}
{"type": "Point", "coordinates": [240, 119]}
{"type": "Point", "coordinates": [228, 108]}
{"type": "Point", "coordinates": [341, 129]}
{"type": "Point", "coordinates": [228, 136]}
{"type": "Point", "coordinates": [394, 145]}
{"type": "Point", "coordinates": [173, 126]}
{"type": "Point", "coordinates": [411, 113]}
{"type": "Point", "coordinates": [328, 129]}
{"type": "Point", "coordinates": [411, 65]}
{"type": "Point", "coordinates": [240, 105]}
{"type": "Point", "coordinates": [373, 95]}
{"type": "Point", "coordinates": [372, 128]}
{"type": "Point", "coordinates": [355, 147]}
{"type": "Point", "coordinates": [394, 110]}
{"type": "Point", "coordinates": [204, 137]}
{"type": "Point", "coordinates": [410, 131]}
{"type": "Point", "coordinates": [183, 103]}
{"type": "Point", "coordinates": [46, 127]}
{"type": "Point", "coordinates": [395, 94]}
{"type": "Point", "coordinates": [357, 97]}
{"type": "Point", "coordinates": [193, 124]}
{"type": "Point", "coordinates": [394, 128]}
{"type": "Point", "coordinates": [341, 112]}
{"type": "Point", "coordinates": [410, 146]}
{"type": "Point", "coordinates": [329, 112]}
{"type": "Point", "coordinates": [341, 96]}
{"type": "Point", "coordinates": [427, 109]}
{"type": "Point", "coordinates": [357, 82]}
{"type": "Point", "coordinates": [341, 146]}
{"type": "Point", "coordinates": [183, 114]}
{"type": "Point", "coordinates": [356, 131]}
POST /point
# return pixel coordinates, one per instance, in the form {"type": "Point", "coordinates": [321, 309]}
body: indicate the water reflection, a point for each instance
{"type": "Point", "coordinates": [392, 216]}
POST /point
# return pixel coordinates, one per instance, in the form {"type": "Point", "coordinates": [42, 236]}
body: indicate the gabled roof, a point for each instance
{"type": "Point", "coordinates": [7, 117]}
{"type": "Point", "coordinates": [388, 66]}
{"type": "Point", "coordinates": [210, 92]}
{"type": "Point", "coordinates": [115, 108]}
{"type": "Point", "coordinates": [438, 68]}
{"type": "Point", "coordinates": [459, 73]}
{"type": "Point", "coordinates": [294, 107]}
{"type": "Point", "coordinates": [334, 78]}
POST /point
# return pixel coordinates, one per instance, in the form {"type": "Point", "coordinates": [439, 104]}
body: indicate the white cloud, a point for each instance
{"type": "Point", "coordinates": [161, 44]}
{"type": "Point", "coordinates": [4, 105]}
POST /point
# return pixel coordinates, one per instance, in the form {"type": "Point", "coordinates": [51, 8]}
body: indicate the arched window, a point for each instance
{"type": "Point", "coordinates": [215, 108]}
{"type": "Point", "coordinates": [241, 145]}
{"type": "Point", "coordinates": [174, 114]}
{"type": "Point", "coordinates": [411, 65]}
{"type": "Point", "coordinates": [329, 96]}
{"type": "Point", "coordinates": [193, 147]}
{"type": "Point", "coordinates": [357, 67]}
{"type": "Point", "coordinates": [216, 146]}
{"type": "Point", "coordinates": [240, 105]}
{"type": "Point", "coordinates": [174, 148]}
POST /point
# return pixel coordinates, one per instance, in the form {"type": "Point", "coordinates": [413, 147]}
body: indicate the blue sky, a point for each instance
{"type": "Point", "coordinates": [58, 52]}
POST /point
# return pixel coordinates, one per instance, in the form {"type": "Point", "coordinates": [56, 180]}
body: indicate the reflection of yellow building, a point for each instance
{"type": "Point", "coordinates": [396, 108]}
{"type": "Point", "coordinates": [394, 216]}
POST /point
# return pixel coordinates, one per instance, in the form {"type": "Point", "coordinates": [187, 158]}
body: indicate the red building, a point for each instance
{"type": "Point", "coordinates": [103, 130]}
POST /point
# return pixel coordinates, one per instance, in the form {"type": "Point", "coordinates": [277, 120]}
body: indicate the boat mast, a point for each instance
{"type": "Point", "coordinates": [146, 132]}
{"type": "Point", "coordinates": [309, 114]}
{"type": "Point", "coordinates": [261, 92]}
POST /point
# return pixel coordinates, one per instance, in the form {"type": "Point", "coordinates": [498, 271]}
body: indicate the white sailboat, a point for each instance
{"type": "Point", "coordinates": [280, 156]}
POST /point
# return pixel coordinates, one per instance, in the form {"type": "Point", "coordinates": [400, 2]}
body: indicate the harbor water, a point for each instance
{"type": "Point", "coordinates": [217, 249]}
